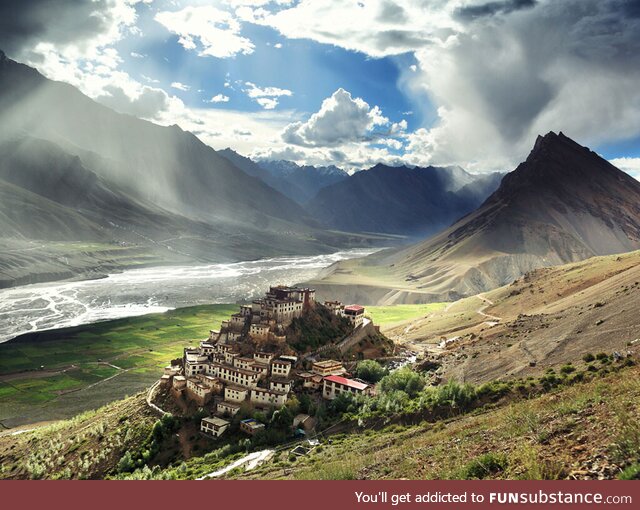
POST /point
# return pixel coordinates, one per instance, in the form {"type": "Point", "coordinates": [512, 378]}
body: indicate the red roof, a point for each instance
{"type": "Point", "coordinates": [354, 308]}
{"type": "Point", "coordinates": [346, 382]}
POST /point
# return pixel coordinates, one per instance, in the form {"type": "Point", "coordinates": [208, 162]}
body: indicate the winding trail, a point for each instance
{"type": "Point", "coordinates": [149, 399]}
{"type": "Point", "coordinates": [481, 310]}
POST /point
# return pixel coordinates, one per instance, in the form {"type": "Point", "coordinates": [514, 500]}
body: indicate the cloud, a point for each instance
{"type": "Point", "coordinates": [266, 97]}
{"type": "Point", "coordinates": [341, 119]}
{"type": "Point", "coordinates": [207, 29]}
{"type": "Point", "coordinates": [79, 26]}
{"type": "Point", "coordinates": [147, 103]}
{"type": "Point", "coordinates": [493, 8]}
{"type": "Point", "coordinates": [180, 86]}
{"type": "Point", "coordinates": [219, 98]}
{"type": "Point", "coordinates": [629, 165]}
{"type": "Point", "coordinates": [497, 73]}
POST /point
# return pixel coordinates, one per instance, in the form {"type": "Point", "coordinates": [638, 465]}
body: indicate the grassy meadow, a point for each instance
{"type": "Point", "coordinates": [387, 316]}
{"type": "Point", "coordinates": [94, 363]}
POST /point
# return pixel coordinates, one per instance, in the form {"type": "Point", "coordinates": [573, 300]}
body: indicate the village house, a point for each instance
{"type": "Point", "coordinates": [310, 381]}
{"type": "Point", "coordinates": [235, 394]}
{"type": "Point", "coordinates": [334, 385]}
{"type": "Point", "coordinates": [355, 314]}
{"type": "Point", "coordinates": [228, 408]}
{"type": "Point", "coordinates": [198, 391]}
{"type": "Point", "coordinates": [336, 307]}
{"type": "Point", "coordinates": [179, 382]}
{"type": "Point", "coordinates": [263, 357]}
{"type": "Point", "coordinates": [214, 426]}
{"type": "Point", "coordinates": [328, 367]}
{"type": "Point", "coordinates": [266, 398]}
{"type": "Point", "coordinates": [251, 426]}
{"type": "Point", "coordinates": [282, 385]}
{"type": "Point", "coordinates": [280, 367]}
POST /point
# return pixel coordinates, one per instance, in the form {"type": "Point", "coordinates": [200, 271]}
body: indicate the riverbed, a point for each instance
{"type": "Point", "coordinates": [140, 291]}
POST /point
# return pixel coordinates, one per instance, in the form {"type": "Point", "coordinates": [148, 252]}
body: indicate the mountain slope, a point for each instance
{"type": "Point", "coordinates": [563, 204]}
{"type": "Point", "coordinates": [163, 164]}
{"type": "Point", "coordinates": [400, 200]}
{"type": "Point", "coordinates": [73, 171]}
{"type": "Point", "coordinates": [248, 166]}
{"type": "Point", "coordinates": [546, 318]}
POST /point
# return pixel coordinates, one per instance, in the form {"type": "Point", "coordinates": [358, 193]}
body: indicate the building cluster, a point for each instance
{"type": "Point", "coordinates": [221, 375]}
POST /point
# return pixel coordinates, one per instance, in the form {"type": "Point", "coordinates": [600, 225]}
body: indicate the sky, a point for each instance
{"type": "Point", "coordinates": [353, 83]}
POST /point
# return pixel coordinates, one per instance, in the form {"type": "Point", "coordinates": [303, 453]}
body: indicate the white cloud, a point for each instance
{"type": "Point", "coordinates": [268, 103]}
{"type": "Point", "coordinates": [137, 55]}
{"type": "Point", "coordinates": [277, 45]}
{"type": "Point", "coordinates": [267, 97]}
{"type": "Point", "coordinates": [180, 86]}
{"type": "Point", "coordinates": [207, 29]}
{"type": "Point", "coordinates": [498, 72]}
{"type": "Point", "coordinates": [219, 98]}
{"type": "Point", "coordinates": [148, 79]}
{"type": "Point", "coordinates": [341, 119]}
{"type": "Point", "coordinates": [629, 165]}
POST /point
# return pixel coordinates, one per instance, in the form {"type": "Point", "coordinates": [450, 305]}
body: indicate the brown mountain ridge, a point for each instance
{"type": "Point", "coordinates": [563, 204]}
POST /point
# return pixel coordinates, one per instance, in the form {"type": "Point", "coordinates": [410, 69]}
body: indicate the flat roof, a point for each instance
{"type": "Point", "coordinates": [215, 421]}
{"type": "Point", "coordinates": [327, 363]}
{"type": "Point", "coordinates": [354, 308]}
{"type": "Point", "coordinates": [346, 382]}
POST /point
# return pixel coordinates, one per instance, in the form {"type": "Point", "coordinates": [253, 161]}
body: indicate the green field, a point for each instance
{"type": "Point", "coordinates": [389, 315]}
{"type": "Point", "coordinates": [55, 374]}
{"type": "Point", "coordinates": [77, 360]}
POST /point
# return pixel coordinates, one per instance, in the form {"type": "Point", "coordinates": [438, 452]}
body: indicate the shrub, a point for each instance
{"type": "Point", "coordinates": [601, 356]}
{"type": "Point", "coordinates": [587, 358]}
{"type": "Point", "coordinates": [484, 465]}
{"type": "Point", "coordinates": [403, 379]}
{"type": "Point", "coordinates": [631, 473]}
{"type": "Point", "coordinates": [567, 369]}
{"type": "Point", "coordinates": [370, 370]}
{"type": "Point", "coordinates": [456, 395]}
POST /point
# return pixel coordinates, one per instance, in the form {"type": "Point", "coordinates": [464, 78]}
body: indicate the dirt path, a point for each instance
{"type": "Point", "coordinates": [250, 462]}
{"type": "Point", "coordinates": [494, 319]}
{"type": "Point", "coordinates": [149, 399]}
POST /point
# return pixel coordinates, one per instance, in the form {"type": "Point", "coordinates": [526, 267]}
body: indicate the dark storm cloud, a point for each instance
{"type": "Point", "coordinates": [493, 8]}
{"type": "Point", "coordinates": [24, 23]}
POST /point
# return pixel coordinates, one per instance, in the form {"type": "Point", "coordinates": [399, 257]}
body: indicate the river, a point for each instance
{"type": "Point", "coordinates": [139, 291]}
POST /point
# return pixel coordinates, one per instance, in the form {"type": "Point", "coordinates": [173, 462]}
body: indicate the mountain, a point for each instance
{"type": "Point", "coordinates": [74, 170]}
{"type": "Point", "coordinates": [250, 167]}
{"type": "Point", "coordinates": [398, 200]}
{"type": "Point", "coordinates": [546, 318]}
{"type": "Point", "coordinates": [302, 183]}
{"type": "Point", "coordinates": [563, 204]}
{"type": "Point", "coordinates": [171, 167]}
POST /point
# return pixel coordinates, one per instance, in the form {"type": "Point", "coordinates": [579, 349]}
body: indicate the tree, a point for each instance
{"type": "Point", "coordinates": [371, 371]}
{"type": "Point", "coordinates": [403, 379]}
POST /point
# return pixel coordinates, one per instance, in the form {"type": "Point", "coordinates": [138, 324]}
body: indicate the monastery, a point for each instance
{"type": "Point", "coordinates": [229, 369]}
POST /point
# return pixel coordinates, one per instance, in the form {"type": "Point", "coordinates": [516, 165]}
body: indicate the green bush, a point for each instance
{"type": "Point", "coordinates": [631, 473]}
{"type": "Point", "coordinates": [588, 358]}
{"type": "Point", "coordinates": [484, 465]}
{"type": "Point", "coordinates": [371, 371]}
{"type": "Point", "coordinates": [403, 379]}
{"type": "Point", "coordinates": [567, 369]}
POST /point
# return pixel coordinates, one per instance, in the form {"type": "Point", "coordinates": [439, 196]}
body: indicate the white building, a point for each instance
{"type": "Point", "coordinates": [214, 426]}
{"type": "Point", "coordinates": [334, 385]}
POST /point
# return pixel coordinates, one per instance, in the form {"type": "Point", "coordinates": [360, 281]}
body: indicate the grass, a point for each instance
{"type": "Point", "coordinates": [528, 439]}
{"type": "Point", "coordinates": [142, 345]}
{"type": "Point", "coordinates": [394, 314]}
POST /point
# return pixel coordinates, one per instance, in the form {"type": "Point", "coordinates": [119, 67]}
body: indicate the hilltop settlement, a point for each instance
{"type": "Point", "coordinates": [250, 362]}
